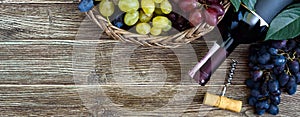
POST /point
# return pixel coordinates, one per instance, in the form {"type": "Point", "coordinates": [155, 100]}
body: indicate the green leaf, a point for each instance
{"type": "Point", "coordinates": [236, 4]}
{"type": "Point", "coordinates": [249, 3]}
{"type": "Point", "coordinates": [285, 25]}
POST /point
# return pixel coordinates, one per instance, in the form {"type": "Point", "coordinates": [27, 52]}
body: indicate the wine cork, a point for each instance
{"type": "Point", "coordinates": [222, 102]}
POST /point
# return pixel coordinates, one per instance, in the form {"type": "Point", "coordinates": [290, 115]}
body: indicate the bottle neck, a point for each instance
{"type": "Point", "coordinates": [268, 9]}
{"type": "Point", "coordinates": [244, 26]}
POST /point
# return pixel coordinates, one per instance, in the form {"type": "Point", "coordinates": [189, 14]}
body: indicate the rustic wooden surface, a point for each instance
{"type": "Point", "coordinates": [40, 74]}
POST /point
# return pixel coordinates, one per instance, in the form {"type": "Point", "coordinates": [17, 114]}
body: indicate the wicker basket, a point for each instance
{"type": "Point", "coordinates": [170, 41]}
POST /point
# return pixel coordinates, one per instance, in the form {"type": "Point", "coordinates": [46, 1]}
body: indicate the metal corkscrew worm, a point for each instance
{"type": "Point", "coordinates": [230, 75]}
{"type": "Point", "coordinates": [222, 101]}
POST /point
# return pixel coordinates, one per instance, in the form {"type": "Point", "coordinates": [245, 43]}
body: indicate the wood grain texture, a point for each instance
{"type": "Point", "coordinates": [52, 62]}
{"type": "Point", "coordinates": [42, 52]}
{"type": "Point", "coordinates": [67, 101]}
{"type": "Point", "coordinates": [39, 21]}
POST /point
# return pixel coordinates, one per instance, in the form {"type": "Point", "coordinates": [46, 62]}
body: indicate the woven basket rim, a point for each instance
{"type": "Point", "coordinates": [170, 41]}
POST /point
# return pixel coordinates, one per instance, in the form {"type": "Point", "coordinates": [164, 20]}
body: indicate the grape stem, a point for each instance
{"type": "Point", "coordinates": [294, 55]}
{"type": "Point", "coordinates": [268, 76]}
{"type": "Point", "coordinates": [281, 51]}
{"type": "Point", "coordinates": [287, 70]}
{"type": "Point", "coordinates": [108, 20]}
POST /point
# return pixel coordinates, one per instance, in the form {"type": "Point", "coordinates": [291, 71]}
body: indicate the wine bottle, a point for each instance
{"type": "Point", "coordinates": [237, 27]}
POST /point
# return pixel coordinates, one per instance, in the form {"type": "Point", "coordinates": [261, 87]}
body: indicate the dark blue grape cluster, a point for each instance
{"type": "Point", "coordinates": [274, 67]}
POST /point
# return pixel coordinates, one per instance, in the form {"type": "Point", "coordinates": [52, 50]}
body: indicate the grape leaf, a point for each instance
{"type": "Point", "coordinates": [286, 24]}
{"type": "Point", "coordinates": [249, 3]}
{"type": "Point", "coordinates": [236, 4]}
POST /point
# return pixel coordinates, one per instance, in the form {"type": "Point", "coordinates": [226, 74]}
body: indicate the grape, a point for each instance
{"type": "Point", "coordinates": [256, 75]}
{"type": "Point", "coordinates": [252, 101]}
{"type": "Point", "coordinates": [106, 8]}
{"type": "Point", "coordinates": [294, 66]}
{"type": "Point", "coordinates": [291, 44]}
{"type": "Point", "coordinates": [273, 85]}
{"type": "Point", "coordinates": [158, 1]}
{"type": "Point", "coordinates": [178, 21]}
{"type": "Point", "coordinates": [291, 86]}
{"type": "Point", "coordinates": [283, 79]}
{"type": "Point", "coordinates": [278, 44]}
{"type": "Point", "coordinates": [155, 31]}
{"type": "Point", "coordinates": [260, 111]}
{"type": "Point", "coordinates": [276, 93]}
{"type": "Point", "coordinates": [85, 5]}
{"type": "Point", "coordinates": [131, 18]}
{"type": "Point", "coordinates": [196, 17]}
{"type": "Point", "coordinates": [263, 49]}
{"type": "Point", "coordinates": [253, 58]}
{"type": "Point", "coordinates": [279, 69]}
{"type": "Point", "coordinates": [118, 24]}
{"type": "Point", "coordinates": [166, 6]}
{"type": "Point", "coordinates": [256, 68]}
{"type": "Point", "coordinates": [264, 104]}
{"type": "Point", "coordinates": [218, 8]}
{"type": "Point", "coordinates": [264, 89]}
{"type": "Point", "coordinates": [129, 5]}
{"type": "Point", "coordinates": [267, 66]}
{"type": "Point", "coordinates": [188, 5]}
{"type": "Point", "coordinates": [255, 93]}
{"type": "Point", "coordinates": [211, 16]}
{"type": "Point", "coordinates": [279, 60]}
{"type": "Point", "coordinates": [297, 50]}
{"type": "Point", "coordinates": [273, 51]}
{"type": "Point", "coordinates": [148, 6]}
{"type": "Point", "coordinates": [160, 22]}
{"type": "Point", "coordinates": [297, 76]}
{"type": "Point", "coordinates": [143, 28]}
{"type": "Point", "coordinates": [275, 100]}
{"type": "Point", "coordinates": [254, 48]}
{"type": "Point", "coordinates": [168, 27]}
{"type": "Point", "coordinates": [274, 110]}
{"type": "Point", "coordinates": [144, 18]}
{"type": "Point", "coordinates": [264, 58]}
{"type": "Point", "coordinates": [250, 83]}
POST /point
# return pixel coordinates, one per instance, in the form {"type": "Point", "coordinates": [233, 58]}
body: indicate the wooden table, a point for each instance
{"type": "Point", "coordinates": [46, 69]}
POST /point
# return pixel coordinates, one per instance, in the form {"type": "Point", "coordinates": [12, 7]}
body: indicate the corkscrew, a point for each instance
{"type": "Point", "coordinates": [230, 75]}
{"type": "Point", "coordinates": [222, 101]}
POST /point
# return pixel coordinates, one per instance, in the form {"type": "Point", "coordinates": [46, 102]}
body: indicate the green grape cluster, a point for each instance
{"type": "Point", "coordinates": [146, 15]}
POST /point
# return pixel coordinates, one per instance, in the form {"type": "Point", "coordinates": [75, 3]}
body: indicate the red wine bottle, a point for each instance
{"type": "Point", "coordinates": [241, 27]}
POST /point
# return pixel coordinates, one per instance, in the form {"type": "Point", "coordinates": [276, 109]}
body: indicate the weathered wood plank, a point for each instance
{"type": "Point", "coordinates": [40, 21]}
{"type": "Point", "coordinates": [38, 1]}
{"type": "Point", "coordinates": [68, 100]}
{"type": "Point", "coordinates": [45, 20]}
{"type": "Point", "coordinates": [55, 62]}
